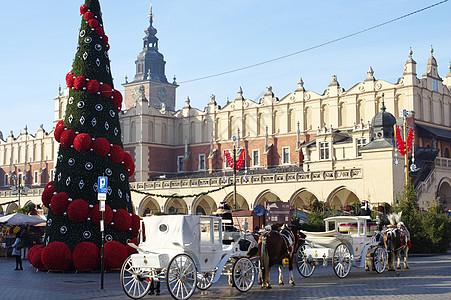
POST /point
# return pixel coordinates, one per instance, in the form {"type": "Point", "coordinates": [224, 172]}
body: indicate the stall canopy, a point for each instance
{"type": "Point", "coordinates": [20, 219]}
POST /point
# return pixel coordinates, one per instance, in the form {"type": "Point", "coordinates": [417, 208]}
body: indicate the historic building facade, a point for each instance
{"type": "Point", "coordinates": [336, 147]}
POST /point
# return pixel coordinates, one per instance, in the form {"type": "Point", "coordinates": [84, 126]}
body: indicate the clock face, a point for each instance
{"type": "Point", "coordinates": [135, 93]}
{"type": "Point", "coordinates": [162, 93]}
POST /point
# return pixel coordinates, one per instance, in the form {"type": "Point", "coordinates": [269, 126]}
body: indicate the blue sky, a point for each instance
{"type": "Point", "coordinates": [203, 37]}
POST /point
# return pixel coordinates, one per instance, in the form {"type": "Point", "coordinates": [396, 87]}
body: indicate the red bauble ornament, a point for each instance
{"type": "Point", "coordinates": [67, 138]}
{"type": "Point", "coordinates": [101, 146]}
{"type": "Point", "coordinates": [79, 82]}
{"type": "Point", "coordinates": [105, 39]}
{"type": "Point", "coordinates": [58, 131]}
{"type": "Point", "coordinates": [56, 257]}
{"type": "Point", "coordinates": [47, 195]}
{"type": "Point", "coordinates": [70, 79]}
{"type": "Point", "coordinates": [99, 31]}
{"type": "Point", "coordinates": [50, 183]}
{"type": "Point", "coordinates": [86, 256]}
{"type": "Point", "coordinates": [82, 142]}
{"type": "Point", "coordinates": [93, 86]}
{"type": "Point", "coordinates": [96, 215]}
{"type": "Point", "coordinates": [131, 170]}
{"type": "Point", "coordinates": [59, 203]}
{"type": "Point", "coordinates": [117, 98]}
{"type": "Point", "coordinates": [83, 9]}
{"type": "Point", "coordinates": [135, 224]}
{"type": "Point", "coordinates": [35, 258]}
{"type": "Point", "coordinates": [107, 47]}
{"type": "Point", "coordinates": [122, 220]}
{"type": "Point", "coordinates": [106, 90]}
{"type": "Point", "coordinates": [93, 23]}
{"type": "Point", "coordinates": [31, 250]}
{"type": "Point", "coordinates": [131, 250]}
{"type": "Point", "coordinates": [116, 154]}
{"type": "Point", "coordinates": [115, 255]}
{"type": "Point", "coordinates": [78, 210]}
{"type": "Point", "coordinates": [88, 15]}
{"type": "Point", "coordinates": [128, 160]}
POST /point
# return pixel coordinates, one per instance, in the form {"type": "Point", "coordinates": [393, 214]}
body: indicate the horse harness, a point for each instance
{"type": "Point", "coordinates": [289, 240]}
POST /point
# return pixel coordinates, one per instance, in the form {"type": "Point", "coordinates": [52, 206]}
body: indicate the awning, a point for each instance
{"type": "Point", "coordinates": [434, 131]}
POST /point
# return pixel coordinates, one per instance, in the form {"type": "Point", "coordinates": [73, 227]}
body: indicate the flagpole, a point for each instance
{"type": "Point", "coordinates": [234, 176]}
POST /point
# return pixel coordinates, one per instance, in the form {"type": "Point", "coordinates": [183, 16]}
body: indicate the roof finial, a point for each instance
{"type": "Point", "coordinates": [151, 13]}
{"type": "Point", "coordinates": [449, 66]}
{"type": "Point", "coordinates": [383, 102]}
{"type": "Point", "coordinates": [410, 52]}
{"type": "Point", "coordinates": [432, 51]}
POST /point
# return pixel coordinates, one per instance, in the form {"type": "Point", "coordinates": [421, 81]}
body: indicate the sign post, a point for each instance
{"type": "Point", "coordinates": [102, 189]}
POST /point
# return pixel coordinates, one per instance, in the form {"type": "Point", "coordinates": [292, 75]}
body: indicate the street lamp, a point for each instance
{"type": "Point", "coordinates": [19, 188]}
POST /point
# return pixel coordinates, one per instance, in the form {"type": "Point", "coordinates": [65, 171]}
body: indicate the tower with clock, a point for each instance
{"type": "Point", "coordinates": [150, 82]}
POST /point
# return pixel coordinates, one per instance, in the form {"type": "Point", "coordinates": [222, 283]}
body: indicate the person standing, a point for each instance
{"type": "Point", "coordinates": [17, 252]}
{"type": "Point", "coordinates": [26, 241]}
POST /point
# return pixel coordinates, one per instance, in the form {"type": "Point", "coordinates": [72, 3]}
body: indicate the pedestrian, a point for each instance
{"type": "Point", "coordinates": [17, 249]}
{"type": "Point", "coordinates": [26, 241]}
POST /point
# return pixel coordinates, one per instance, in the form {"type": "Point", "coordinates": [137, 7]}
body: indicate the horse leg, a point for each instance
{"type": "Point", "coordinates": [260, 273]}
{"type": "Point", "coordinates": [391, 261]}
{"type": "Point", "coordinates": [406, 250]}
{"type": "Point", "coordinates": [398, 255]}
{"type": "Point", "coordinates": [280, 275]}
{"type": "Point", "coordinates": [290, 267]}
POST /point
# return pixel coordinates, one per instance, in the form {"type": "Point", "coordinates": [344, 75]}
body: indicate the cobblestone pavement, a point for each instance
{"type": "Point", "coordinates": [429, 277]}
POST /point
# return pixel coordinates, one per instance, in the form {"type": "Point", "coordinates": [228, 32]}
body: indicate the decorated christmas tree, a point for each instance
{"type": "Point", "coordinates": [90, 146]}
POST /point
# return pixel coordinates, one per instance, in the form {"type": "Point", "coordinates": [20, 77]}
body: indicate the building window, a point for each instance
{"type": "Point", "coordinates": [201, 162]}
{"type": "Point", "coordinates": [6, 179]}
{"type": "Point", "coordinates": [179, 163]}
{"type": "Point", "coordinates": [286, 155]}
{"type": "Point", "coordinates": [255, 158]}
{"type": "Point", "coordinates": [35, 179]}
{"type": "Point", "coordinates": [324, 150]}
{"type": "Point", "coordinates": [360, 143]}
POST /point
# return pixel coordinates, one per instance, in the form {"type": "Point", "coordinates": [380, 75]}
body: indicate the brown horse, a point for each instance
{"type": "Point", "coordinates": [396, 239]}
{"type": "Point", "coordinates": [273, 247]}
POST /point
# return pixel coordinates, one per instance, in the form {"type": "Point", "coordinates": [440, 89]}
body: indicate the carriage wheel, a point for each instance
{"type": "Point", "coordinates": [205, 280]}
{"type": "Point", "coordinates": [306, 266]}
{"type": "Point", "coordinates": [134, 282]}
{"type": "Point", "coordinates": [181, 277]}
{"type": "Point", "coordinates": [341, 260]}
{"type": "Point", "coordinates": [380, 259]}
{"type": "Point", "coordinates": [243, 274]}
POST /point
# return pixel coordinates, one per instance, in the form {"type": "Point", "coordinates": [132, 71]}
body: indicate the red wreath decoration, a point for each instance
{"type": "Point", "coordinates": [106, 90]}
{"type": "Point", "coordinates": [78, 210]}
{"type": "Point", "coordinates": [122, 220]}
{"type": "Point", "coordinates": [47, 195]}
{"type": "Point", "coordinates": [410, 139]}
{"type": "Point", "coordinates": [83, 9]}
{"type": "Point", "coordinates": [135, 224]}
{"type": "Point", "coordinates": [86, 256]}
{"type": "Point", "coordinates": [131, 250]}
{"type": "Point", "coordinates": [93, 23]}
{"type": "Point", "coordinates": [79, 82]}
{"type": "Point", "coordinates": [93, 86]}
{"type": "Point", "coordinates": [101, 146]}
{"type": "Point", "coordinates": [116, 153]}
{"type": "Point", "coordinates": [67, 138]}
{"type": "Point", "coordinates": [240, 161]}
{"type": "Point", "coordinates": [36, 258]}
{"type": "Point", "coordinates": [96, 215]}
{"type": "Point", "coordinates": [82, 142]}
{"type": "Point", "coordinates": [88, 15]}
{"type": "Point", "coordinates": [400, 142]}
{"type": "Point", "coordinates": [58, 131]}
{"type": "Point", "coordinates": [59, 203]}
{"type": "Point", "coordinates": [115, 255]}
{"type": "Point", "coordinates": [56, 256]}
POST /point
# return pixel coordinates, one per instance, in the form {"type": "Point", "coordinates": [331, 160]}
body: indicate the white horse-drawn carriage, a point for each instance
{"type": "Point", "coordinates": [186, 251]}
{"type": "Point", "coordinates": [347, 241]}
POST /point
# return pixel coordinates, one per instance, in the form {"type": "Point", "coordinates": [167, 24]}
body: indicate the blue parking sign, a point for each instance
{"type": "Point", "coordinates": [102, 185]}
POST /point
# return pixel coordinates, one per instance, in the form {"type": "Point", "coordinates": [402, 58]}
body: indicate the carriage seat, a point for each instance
{"type": "Point", "coordinates": [229, 237]}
